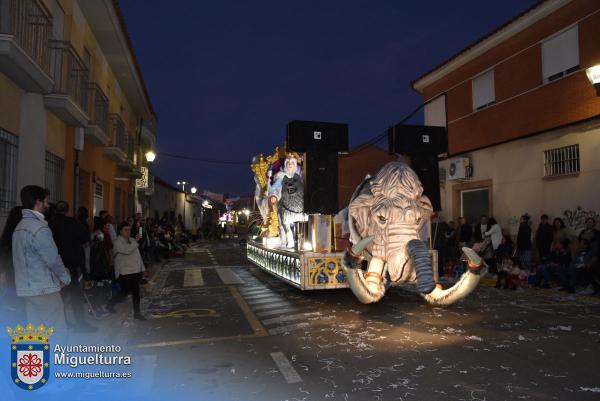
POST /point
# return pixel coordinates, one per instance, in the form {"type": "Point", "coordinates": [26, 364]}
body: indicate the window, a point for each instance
{"type": "Point", "coordinates": [560, 55]}
{"type": "Point", "coordinates": [118, 204]}
{"type": "Point", "coordinates": [484, 93]}
{"type": "Point", "coordinates": [98, 197]}
{"type": "Point", "coordinates": [53, 177]}
{"type": "Point", "coordinates": [435, 112]}
{"type": "Point", "coordinates": [9, 145]}
{"type": "Point", "coordinates": [561, 161]}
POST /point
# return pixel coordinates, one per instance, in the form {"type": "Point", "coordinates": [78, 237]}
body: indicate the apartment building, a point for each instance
{"type": "Point", "coordinates": [75, 114]}
{"type": "Point", "coordinates": [522, 117]}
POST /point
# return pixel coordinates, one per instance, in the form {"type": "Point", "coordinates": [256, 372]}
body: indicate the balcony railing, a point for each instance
{"type": "Point", "coordinates": [117, 134]}
{"type": "Point", "coordinates": [130, 147]}
{"type": "Point", "coordinates": [97, 107]}
{"type": "Point", "coordinates": [69, 73]}
{"type": "Point", "coordinates": [31, 25]}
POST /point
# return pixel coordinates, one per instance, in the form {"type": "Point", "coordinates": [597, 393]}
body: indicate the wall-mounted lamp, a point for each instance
{"type": "Point", "coordinates": [593, 74]}
{"type": "Point", "coordinates": [150, 156]}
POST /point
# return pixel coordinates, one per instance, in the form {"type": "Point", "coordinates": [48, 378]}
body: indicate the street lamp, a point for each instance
{"type": "Point", "coordinates": [182, 184]}
{"type": "Point", "coordinates": [150, 156]}
{"type": "Point", "coordinates": [593, 74]}
{"type": "Point", "coordinates": [193, 190]}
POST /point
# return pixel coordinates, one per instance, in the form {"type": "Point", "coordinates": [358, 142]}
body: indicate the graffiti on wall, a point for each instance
{"type": "Point", "coordinates": [575, 219]}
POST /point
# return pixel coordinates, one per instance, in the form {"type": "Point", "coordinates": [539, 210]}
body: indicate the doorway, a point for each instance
{"type": "Point", "coordinates": [474, 203]}
{"type": "Point", "coordinates": [472, 199]}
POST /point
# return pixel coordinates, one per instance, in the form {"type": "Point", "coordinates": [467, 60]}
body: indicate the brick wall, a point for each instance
{"type": "Point", "coordinates": [524, 105]}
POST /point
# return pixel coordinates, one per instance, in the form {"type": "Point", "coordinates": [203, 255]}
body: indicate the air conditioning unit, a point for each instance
{"type": "Point", "coordinates": [459, 168]}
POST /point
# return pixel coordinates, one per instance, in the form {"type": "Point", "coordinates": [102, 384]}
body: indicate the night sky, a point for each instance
{"type": "Point", "coordinates": [225, 77]}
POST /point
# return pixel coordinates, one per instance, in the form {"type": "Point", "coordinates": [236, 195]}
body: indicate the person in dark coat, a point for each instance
{"type": "Point", "coordinates": [524, 245]}
{"type": "Point", "coordinates": [544, 237]}
{"type": "Point", "coordinates": [70, 238]}
{"type": "Point", "coordinates": [465, 232]}
{"type": "Point", "coordinates": [481, 229]}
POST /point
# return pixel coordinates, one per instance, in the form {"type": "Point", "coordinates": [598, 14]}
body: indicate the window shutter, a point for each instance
{"type": "Point", "coordinates": [560, 53]}
{"type": "Point", "coordinates": [483, 90]}
{"type": "Point", "coordinates": [435, 112]}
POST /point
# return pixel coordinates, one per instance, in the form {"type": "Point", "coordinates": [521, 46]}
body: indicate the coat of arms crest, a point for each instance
{"type": "Point", "coordinates": [30, 355]}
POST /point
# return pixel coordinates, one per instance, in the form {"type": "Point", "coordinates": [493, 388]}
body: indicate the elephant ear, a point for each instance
{"type": "Point", "coordinates": [359, 216]}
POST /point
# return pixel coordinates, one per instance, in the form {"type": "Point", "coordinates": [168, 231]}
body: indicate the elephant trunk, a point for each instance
{"type": "Point", "coordinates": [369, 287]}
{"type": "Point", "coordinates": [464, 286]}
{"type": "Point", "coordinates": [419, 253]}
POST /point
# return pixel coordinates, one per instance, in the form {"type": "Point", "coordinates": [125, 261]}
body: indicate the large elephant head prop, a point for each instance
{"type": "Point", "coordinates": [386, 215]}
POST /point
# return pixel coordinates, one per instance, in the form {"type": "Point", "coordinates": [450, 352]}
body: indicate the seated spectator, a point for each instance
{"type": "Point", "coordinates": [504, 270]}
{"type": "Point", "coordinates": [559, 260]}
{"type": "Point", "coordinates": [578, 270]}
{"type": "Point", "coordinates": [517, 277]}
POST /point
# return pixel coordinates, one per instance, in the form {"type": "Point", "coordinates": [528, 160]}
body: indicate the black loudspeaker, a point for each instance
{"type": "Point", "coordinates": [310, 136]}
{"type": "Point", "coordinates": [321, 183]}
{"type": "Point", "coordinates": [417, 139]}
{"type": "Point", "coordinates": [426, 167]}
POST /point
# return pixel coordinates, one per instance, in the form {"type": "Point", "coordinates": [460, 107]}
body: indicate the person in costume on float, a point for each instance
{"type": "Point", "coordinates": [288, 187]}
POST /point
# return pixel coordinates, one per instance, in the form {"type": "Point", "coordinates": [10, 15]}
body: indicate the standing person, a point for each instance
{"type": "Point", "coordinates": [495, 235]}
{"type": "Point", "coordinates": [128, 269]}
{"type": "Point", "coordinates": [110, 221]}
{"type": "Point", "coordinates": [590, 233]}
{"type": "Point", "coordinates": [82, 219]}
{"type": "Point", "coordinates": [560, 233]}
{"type": "Point", "coordinates": [39, 271]}
{"type": "Point", "coordinates": [544, 237]}
{"type": "Point", "coordinates": [439, 228]}
{"type": "Point", "coordinates": [465, 233]}
{"type": "Point", "coordinates": [451, 237]}
{"type": "Point", "coordinates": [7, 273]}
{"type": "Point", "coordinates": [481, 229]}
{"type": "Point", "coordinates": [524, 244]}
{"type": "Point", "coordinates": [70, 238]}
{"type": "Point", "coordinates": [591, 273]}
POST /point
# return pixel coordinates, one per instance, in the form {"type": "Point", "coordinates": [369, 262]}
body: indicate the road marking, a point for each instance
{"type": "Point", "coordinates": [252, 297]}
{"type": "Point", "coordinates": [273, 298]}
{"type": "Point", "coordinates": [251, 294]}
{"type": "Point", "coordinates": [271, 306]}
{"type": "Point", "coordinates": [228, 276]}
{"type": "Point", "coordinates": [286, 329]}
{"type": "Point", "coordinates": [286, 368]}
{"type": "Point", "coordinates": [255, 324]}
{"type": "Point", "coordinates": [198, 340]}
{"type": "Point", "coordinates": [276, 312]}
{"type": "Point", "coordinates": [193, 278]}
{"type": "Point", "coordinates": [189, 313]}
{"type": "Point", "coordinates": [250, 317]}
{"type": "Point", "coordinates": [289, 318]}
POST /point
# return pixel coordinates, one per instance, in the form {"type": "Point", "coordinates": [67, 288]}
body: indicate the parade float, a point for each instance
{"type": "Point", "coordinates": [386, 223]}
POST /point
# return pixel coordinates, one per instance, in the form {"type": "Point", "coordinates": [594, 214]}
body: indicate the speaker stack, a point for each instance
{"type": "Point", "coordinates": [421, 144]}
{"type": "Point", "coordinates": [321, 141]}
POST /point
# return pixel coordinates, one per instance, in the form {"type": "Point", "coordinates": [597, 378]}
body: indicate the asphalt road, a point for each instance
{"type": "Point", "coordinates": [221, 329]}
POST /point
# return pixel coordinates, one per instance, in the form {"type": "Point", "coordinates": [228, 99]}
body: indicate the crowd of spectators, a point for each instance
{"type": "Point", "coordinates": [549, 256]}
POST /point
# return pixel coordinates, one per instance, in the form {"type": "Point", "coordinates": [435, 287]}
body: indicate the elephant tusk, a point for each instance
{"type": "Point", "coordinates": [464, 286]}
{"type": "Point", "coordinates": [366, 291]}
{"type": "Point", "coordinates": [361, 245]}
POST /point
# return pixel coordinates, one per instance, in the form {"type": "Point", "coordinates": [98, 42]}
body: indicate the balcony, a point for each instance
{"type": "Point", "coordinates": [148, 136]}
{"type": "Point", "coordinates": [68, 98]}
{"type": "Point", "coordinates": [97, 106]}
{"type": "Point", "coordinates": [25, 28]}
{"type": "Point", "coordinates": [117, 148]}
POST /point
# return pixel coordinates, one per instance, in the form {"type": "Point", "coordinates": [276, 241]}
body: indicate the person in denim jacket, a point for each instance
{"type": "Point", "coordinates": [39, 271]}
